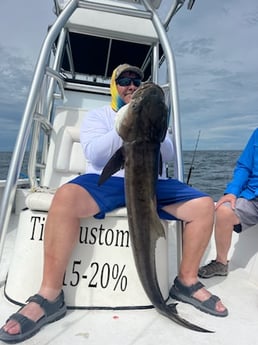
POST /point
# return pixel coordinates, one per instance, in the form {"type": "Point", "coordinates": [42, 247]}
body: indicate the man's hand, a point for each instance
{"type": "Point", "coordinates": [231, 198]}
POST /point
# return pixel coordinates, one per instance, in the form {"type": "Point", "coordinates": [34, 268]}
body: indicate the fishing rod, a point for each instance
{"type": "Point", "coordinates": [191, 166]}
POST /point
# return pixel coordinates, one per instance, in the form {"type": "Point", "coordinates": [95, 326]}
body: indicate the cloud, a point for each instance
{"type": "Point", "coordinates": [16, 73]}
{"type": "Point", "coordinates": [216, 54]}
{"type": "Point", "coordinates": [217, 59]}
{"type": "Point", "coordinates": [19, 49]}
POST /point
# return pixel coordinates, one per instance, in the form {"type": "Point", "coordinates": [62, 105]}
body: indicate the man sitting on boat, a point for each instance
{"type": "Point", "coordinates": [237, 209]}
{"type": "Point", "coordinates": [83, 198]}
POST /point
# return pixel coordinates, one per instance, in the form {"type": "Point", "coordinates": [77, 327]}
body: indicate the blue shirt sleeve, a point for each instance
{"type": "Point", "coordinates": [245, 176]}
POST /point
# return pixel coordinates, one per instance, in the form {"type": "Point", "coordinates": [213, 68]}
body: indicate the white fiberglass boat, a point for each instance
{"type": "Point", "coordinates": [106, 301]}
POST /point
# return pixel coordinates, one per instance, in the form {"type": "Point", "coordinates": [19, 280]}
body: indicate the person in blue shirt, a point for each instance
{"type": "Point", "coordinates": [237, 209]}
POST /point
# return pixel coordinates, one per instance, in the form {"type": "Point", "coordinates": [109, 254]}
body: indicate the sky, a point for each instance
{"type": "Point", "coordinates": [216, 53]}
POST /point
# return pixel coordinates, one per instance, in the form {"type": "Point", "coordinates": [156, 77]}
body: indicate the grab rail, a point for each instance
{"type": "Point", "coordinates": [22, 139]}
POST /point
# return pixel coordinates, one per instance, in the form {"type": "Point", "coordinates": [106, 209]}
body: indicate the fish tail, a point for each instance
{"type": "Point", "coordinates": [170, 311]}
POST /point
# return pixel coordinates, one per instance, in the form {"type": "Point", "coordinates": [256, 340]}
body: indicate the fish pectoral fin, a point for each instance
{"type": "Point", "coordinates": [115, 163]}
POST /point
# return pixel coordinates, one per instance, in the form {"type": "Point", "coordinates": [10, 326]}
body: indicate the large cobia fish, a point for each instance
{"type": "Point", "coordinates": [142, 124]}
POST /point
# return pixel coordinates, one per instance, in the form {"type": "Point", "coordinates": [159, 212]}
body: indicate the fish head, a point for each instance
{"type": "Point", "coordinates": [145, 118]}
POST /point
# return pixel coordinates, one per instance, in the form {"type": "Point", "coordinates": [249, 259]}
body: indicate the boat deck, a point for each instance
{"type": "Point", "coordinates": [147, 326]}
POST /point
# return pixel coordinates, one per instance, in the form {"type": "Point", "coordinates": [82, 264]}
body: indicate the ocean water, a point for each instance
{"type": "Point", "coordinates": [211, 170]}
{"type": "Point", "coordinates": [5, 159]}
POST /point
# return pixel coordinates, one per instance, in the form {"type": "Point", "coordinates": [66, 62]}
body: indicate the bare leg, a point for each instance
{"type": "Point", "coordinates": [71, 202]}
{"type": "Point", "coordinates": [225, 221]}
{"type": "Point", "coordinates": [198, 215]}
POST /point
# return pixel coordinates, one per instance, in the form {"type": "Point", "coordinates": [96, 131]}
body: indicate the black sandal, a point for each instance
{"type": "Point", "coordinates": [185, 293]}
{"type": "Point", "coordinates": [53, 311]}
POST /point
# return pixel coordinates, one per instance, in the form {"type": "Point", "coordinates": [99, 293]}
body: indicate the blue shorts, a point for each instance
{"type": "Point", "coordinates": [111, 194]}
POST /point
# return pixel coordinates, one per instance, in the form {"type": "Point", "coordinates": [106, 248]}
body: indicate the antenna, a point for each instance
{"type": "Point", "coordinates": [195, 149]}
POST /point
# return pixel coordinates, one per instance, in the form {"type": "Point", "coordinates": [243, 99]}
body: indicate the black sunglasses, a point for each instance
{"type": "Point", "coordinates": [127, 81]}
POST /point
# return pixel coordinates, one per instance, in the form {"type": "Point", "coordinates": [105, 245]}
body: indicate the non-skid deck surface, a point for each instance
{"type": "Point", "coordinates": [146, 327]}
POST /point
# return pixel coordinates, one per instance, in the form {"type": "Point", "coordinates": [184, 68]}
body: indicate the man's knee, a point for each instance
{"type": "Point", "coordinates": [225, 213]}
{"type": "Point", "coordinates": [66, 194]}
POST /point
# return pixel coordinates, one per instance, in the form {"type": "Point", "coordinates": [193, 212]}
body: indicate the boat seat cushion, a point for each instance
{"type": "Point", "coordinates": [68, 155]}
{"type": "Point", "coordinates": [40, 200]}
{"type": "Point", "coordinates": [65, 159]}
